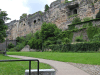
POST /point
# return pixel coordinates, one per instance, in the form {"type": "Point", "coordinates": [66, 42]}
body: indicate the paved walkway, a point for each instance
{"type": "Point", "coordinates": [62, 68]}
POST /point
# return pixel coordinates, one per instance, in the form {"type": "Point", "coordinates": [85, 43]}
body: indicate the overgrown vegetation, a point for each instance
{"type": "Point", "coordinates": [40, 12]}
{"type": "Point", "coordinates": [11, 46]}
{"type": "Point", "coordinates": [86, 19]}
{"type": "Point", "coordinates": [76, 20]}
{"type": "Point", "coordinates": [21, 42]}
{"type": "Point", "coordinates": [23, 15]}
{"type": "Point", "coordinates": [54, 38]}
{"type": "Point", "coordinates": [74, 15]}
{"type": "Point", "coordinates": [91, 31]}
{"type": "Point", "coordinates": [78, 47]}
{"type": "Point", "coordinates": [67, 1]}
{"type": "Point", "coordinates": [46, 7]}
{"type": "Point", "coordinates": [3, 27]}
{"type": "Point", "coordinates": [79, 39]}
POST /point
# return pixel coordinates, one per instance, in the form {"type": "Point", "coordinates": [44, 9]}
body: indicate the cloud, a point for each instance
{"type": "Point", "coordinates": [15, 8]}
{"type": "Point", "coordinates": [37, 5]}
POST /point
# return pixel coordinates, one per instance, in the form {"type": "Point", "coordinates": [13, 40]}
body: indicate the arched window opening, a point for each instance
{"type": "Point", "coordinates": [75, 11]}
{"type": "Point", "coordinates": [34, 21]}
{"type": "Point", "coordinates": [24, 24]}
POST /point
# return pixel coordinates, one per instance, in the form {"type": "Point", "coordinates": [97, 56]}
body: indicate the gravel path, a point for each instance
{"type": "Point", "coordinates": [91, 69]}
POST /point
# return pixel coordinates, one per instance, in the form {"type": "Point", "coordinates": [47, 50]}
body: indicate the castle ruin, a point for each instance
{"type": "Point", "coordinates": [60, 13]}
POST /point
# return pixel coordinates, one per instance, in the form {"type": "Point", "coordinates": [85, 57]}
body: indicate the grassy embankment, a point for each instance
{"type": "Point", "coordinates": [84, 58]}
{"type": "Point", "coordinates": [19, 67]}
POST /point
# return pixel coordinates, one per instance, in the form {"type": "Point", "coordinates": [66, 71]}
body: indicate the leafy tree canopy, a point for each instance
{"type": "Point", "coordinates": [3, 27]}
{"type": "Point", "coordinates": [48, 30]}
{"type": "Point", "coordinates": [23, 15]}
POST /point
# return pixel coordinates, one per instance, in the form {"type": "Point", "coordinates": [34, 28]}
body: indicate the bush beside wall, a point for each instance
{"type": "Point", "coordinates": [78, 47]}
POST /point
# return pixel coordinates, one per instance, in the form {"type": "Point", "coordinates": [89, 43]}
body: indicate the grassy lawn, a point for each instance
{"type": "Point", "coordinates": [84, 58]}
{"type": "Point", "coordinates": [19, 67]}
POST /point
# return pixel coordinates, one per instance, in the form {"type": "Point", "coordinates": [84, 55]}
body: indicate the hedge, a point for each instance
{"type": "Point", "coordinates": [78, 47]}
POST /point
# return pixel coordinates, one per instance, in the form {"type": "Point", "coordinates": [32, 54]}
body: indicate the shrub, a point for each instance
{"type": "Point", "coordinates": [35, 43]}
{"type": "Point", "coordinates": [37, 34]}
{"type": "Point", "coordinates": [66, 34]}
{"type": "Point", "coordinates": [96, 37]}
{"type": "Point", "coordinates": [59, 41]}
{"type": "Point", "coordinates": [20, 39]}
{"type": "Point", "coordinates": [19, 47]}
{"type": "Point", "coordinates": [11, 46]}
{"type": "Point", "coordinates": [90, 24]}
{"type": "Point", "coordinates": [91, 31]}
{"type": "Point", "coordinates": [79, 39]}
{"type": "Point", "coordinates": [85, 25]}
{"type": "Point", "coordinates": [46, 7]}
{"type": "Point", "coordinates": [86, 19]}
{"type": "Point", "coordinates": [76, 20]}
{"type": "Point", "coordinates": [71, 27]}
{"type": "Point", "coordinates": [48, 42]}
{"type": "Point", "coordinates": [78, 47]}
{"type": "Point", "coordinates": [66, 40]}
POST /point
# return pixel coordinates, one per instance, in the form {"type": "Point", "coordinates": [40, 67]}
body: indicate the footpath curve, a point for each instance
{"type": "Point", "coordinates": [62, 68]}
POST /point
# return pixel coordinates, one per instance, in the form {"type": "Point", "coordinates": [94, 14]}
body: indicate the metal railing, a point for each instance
{"type": "Point", "coordinates": [25, 60]}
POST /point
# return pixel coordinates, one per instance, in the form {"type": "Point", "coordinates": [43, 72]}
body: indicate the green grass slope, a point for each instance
{"type": "Point", "coordinates": [84, 58]}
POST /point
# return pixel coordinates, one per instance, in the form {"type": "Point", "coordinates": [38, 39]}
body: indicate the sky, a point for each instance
{"type": "Point", "coordinates": [15, 8]}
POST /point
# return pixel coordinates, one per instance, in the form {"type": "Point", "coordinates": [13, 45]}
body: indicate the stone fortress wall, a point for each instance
{"type": "Point", "coordinates": [58, 13]}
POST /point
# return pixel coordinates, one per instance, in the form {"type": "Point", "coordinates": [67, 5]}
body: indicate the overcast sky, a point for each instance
{"type": "Point", "coordinates": [15, 8]}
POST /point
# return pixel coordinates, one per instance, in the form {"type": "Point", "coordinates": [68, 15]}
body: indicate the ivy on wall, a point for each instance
{"type": "Point", "coordinates": [66, 34]}
{"type": "Point", "coordinates": [71, 27]}
{"type": "Point", "coordinates": [91, 31]}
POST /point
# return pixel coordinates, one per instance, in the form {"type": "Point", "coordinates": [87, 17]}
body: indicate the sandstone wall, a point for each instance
{"type": "Point", "coordinates": [58, 13]}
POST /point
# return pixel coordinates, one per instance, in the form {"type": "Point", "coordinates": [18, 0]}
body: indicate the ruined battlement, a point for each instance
{"type": "Point", "coordinates": [60, 13]}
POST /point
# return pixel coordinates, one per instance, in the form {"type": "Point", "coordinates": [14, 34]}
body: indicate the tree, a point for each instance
{"type": "Point", "coordinates": [23, 15]}
{"type": "Point", "coordinates": [37, 35]}
{"type": "Point", "coordinates": [47, 30]}
{"type": "Point", "coordinates": [46, 7]}
{"type": "Point", "coordinates": [35, 43]}
{"type": "Point", "coordinates": [3, 27]}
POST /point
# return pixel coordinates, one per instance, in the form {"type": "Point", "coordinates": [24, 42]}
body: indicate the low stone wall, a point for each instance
{"type": "Point", "coordinates": [4, 45]}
